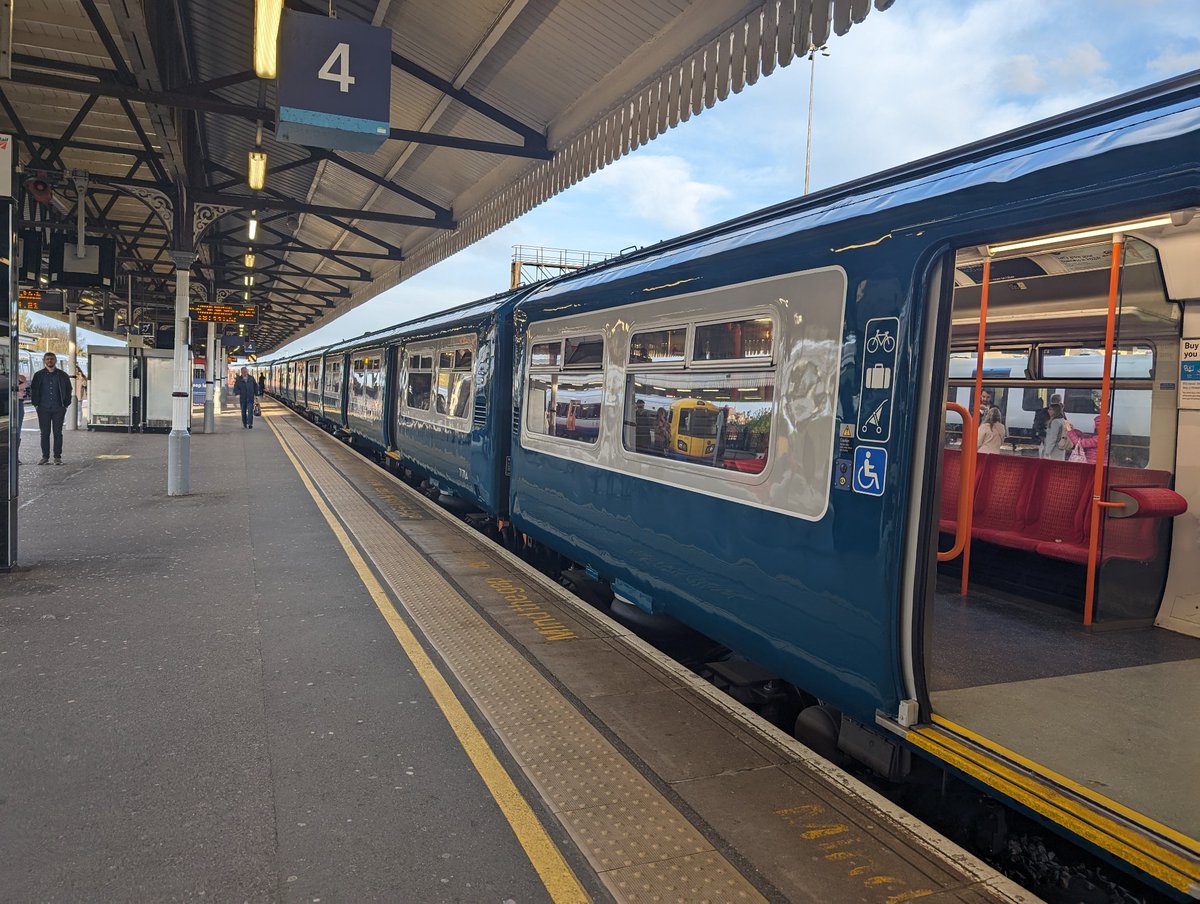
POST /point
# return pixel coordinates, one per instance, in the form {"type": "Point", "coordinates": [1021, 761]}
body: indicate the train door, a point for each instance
{"type": "Point", "coordinates": [1047, 644]}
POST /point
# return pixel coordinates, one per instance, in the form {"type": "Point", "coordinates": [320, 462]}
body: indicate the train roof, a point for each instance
{"type": "Point", "coordinates": [1169, 109]}
{"type": "Point", "coordinates": [471, 311]}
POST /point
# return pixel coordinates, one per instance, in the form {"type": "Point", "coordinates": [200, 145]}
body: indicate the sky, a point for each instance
{"type": "Point", "coordinates": [922, 77]}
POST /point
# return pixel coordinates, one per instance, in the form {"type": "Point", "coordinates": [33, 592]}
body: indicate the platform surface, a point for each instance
{"type": "Point", "coordinates": [304, 682]}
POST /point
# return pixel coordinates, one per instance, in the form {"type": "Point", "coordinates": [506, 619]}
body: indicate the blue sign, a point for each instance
{"type": "Point", "coordinates": [870, 470]}
{"type": "Point", "coordinates": [881, 342]}
{"type": "Point", "coordinates": [335, 83]}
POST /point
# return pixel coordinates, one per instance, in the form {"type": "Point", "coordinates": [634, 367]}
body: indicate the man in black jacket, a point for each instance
{"type": "Point", "coordinates": [50, 393]}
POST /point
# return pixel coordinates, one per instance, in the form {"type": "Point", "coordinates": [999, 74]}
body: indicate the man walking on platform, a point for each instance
{"type": "Point", "coordinates": [247, 387]}
{"type": "Point", "coordinates": [50, 393]}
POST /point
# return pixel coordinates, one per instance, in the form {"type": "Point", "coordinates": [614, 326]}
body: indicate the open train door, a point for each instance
{"type": "Point", "coordinates": [1057, 640]}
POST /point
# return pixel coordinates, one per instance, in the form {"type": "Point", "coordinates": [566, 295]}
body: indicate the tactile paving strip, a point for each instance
{"type": "Point", "coordinates": [642, 847]}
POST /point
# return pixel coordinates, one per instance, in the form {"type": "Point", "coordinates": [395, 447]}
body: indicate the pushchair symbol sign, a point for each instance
{"type": "Point", "coordinates": [876, 392]}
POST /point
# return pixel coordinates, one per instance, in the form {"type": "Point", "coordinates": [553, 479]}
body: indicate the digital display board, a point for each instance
{"type": "Point", "coordinates": [40, 300]}
{"type": "Point", "coordinates": [224, 313]}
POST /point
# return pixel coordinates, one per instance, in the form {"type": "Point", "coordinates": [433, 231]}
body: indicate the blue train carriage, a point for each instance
{"type": "Point", "coordinates": [309, 397]}
{"type": "Point", "coordinates": [367, 399]}
{"type": "Point", "coordinates": [331, 403]}
{"type": "Point", "coordinates": [815, 513]}
{"type": "Point", "coordinates": [452, 410]}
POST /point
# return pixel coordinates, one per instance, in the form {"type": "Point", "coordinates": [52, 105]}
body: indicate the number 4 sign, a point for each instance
{"type": "Point", "coordinates": [335, 80]}
{"type": "Point", "coordinates": [340, 58]}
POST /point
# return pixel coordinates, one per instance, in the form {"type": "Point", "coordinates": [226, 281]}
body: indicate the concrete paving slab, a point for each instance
{"type": "Point", "coordinates": [200, 700]}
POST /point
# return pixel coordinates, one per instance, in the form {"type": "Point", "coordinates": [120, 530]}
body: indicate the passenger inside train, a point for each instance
{"type": "Point", "coordinates": [1051, 633]}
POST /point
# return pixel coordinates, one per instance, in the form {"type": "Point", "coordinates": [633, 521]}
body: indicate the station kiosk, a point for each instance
{"type": "Point", "coordinates": [131, 388]}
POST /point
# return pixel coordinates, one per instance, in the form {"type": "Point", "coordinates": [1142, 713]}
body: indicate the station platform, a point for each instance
{"type": "Point", "coordinates": [306, 682]}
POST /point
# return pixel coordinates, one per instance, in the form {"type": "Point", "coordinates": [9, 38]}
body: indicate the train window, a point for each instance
{"type": "Point", "coordinates": [546, 354]}
{"type": "Point", "coordinates": [734, 341]}
{"type": "Point", "coordinates": [463, 358]}
{"type": "Point", "coordinates": [418, 382]}
{"type": "Point", "coordinates": [446, 360]}
{"type": "Point", "coordinates": [566, 406]}
{"type": "Point", "coordinates": [585, 351]}
{"type": "Point", "coordinates": [1134, 361]}
{"type": "Point", "coordinates": [658, 346]}
{"type": "Point", "coordinates": [714, 420]}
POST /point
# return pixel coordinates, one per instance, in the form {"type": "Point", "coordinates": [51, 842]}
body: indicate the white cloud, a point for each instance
{"type": "Point", "coordinates": [660, 189]}
{"type": "Point", "coordinates": [1174, 61]}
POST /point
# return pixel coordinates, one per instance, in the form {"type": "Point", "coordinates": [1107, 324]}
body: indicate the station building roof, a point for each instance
{"type": "Point", "coordinates": [496, 106]}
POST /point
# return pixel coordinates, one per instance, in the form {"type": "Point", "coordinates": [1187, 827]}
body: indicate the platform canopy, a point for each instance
{"type": "Point", "coordinates": [496, 106]}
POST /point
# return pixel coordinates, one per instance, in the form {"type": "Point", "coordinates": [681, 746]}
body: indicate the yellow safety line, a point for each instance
{"type": "Point", "coordinates": [545, 857]}
{"type": "Point", "coordinates": [1133, 815]}
{"type": "Point", "coordinates": [1167, 867]}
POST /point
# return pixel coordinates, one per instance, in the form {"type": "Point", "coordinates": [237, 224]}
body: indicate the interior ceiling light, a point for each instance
{"type": "Point", "coordinates": [256, 176]}
{"type": "Point", "coordinates": [249, 280]}
{"type": "Point", "coordinates": [252, 226]}
{"type": "Point", "coordinates": [250, 259]}
{"type": "Point", "coordinates": [1064, 237]}
{"type": "Point", "coordinates": [245, 296]}
{"type": "Point", "coordinates": [266, 37]}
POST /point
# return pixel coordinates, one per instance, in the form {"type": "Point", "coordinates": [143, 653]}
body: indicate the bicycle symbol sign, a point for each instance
{"type": "Point", "coordinates": [876, 394]}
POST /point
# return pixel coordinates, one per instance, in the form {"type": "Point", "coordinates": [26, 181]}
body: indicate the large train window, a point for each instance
{"type": "Point", "coordinates": [418, 381]}
{"type": "Point", "coordinates": [715, 420]}
{"type": "Point", "coordinates": [565, 393]}
{"type": "Point", "coordinates": [366, 385]}
{"type": "Point", "coordinates": [438, 379]}
{"type": "Point", "coordinates": [453, 396]}
{"type": "Point", "coordinates": [333, 377]}
{"type": "Point", "coordinates": [701, 417]}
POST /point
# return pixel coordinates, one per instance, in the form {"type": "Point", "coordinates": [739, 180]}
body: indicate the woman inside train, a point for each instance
{"type": "Point", "coordinates": [1057, 444]}
{"type": "Point", "coordinates": [991, 434]}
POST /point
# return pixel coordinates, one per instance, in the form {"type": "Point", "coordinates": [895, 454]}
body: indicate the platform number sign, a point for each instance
{"type": "Point", "coordinates": [337, 68]}
{"type": "Point", "coordinates": [335, 82]}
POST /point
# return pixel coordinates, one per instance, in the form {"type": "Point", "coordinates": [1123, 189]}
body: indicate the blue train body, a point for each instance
{"type": "Point", "coordinates": [765, 546]}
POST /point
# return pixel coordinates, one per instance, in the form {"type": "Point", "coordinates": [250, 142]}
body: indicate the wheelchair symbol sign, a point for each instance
{"type": "Point", "coordinates": [870, 470]}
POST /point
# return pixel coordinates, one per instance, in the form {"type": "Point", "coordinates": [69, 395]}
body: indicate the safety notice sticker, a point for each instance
{"type": "Point", "coordinates": [878, 378]}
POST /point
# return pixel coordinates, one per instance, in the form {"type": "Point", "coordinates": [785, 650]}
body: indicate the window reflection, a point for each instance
{"type": "Point", "coordinates": [658, 346]}
{"type": "Point", "coordinates": [565, 405]}
{"type": "Point", "coordinates": [718, 420]}
{"type": "Point", "coordinates": [734, 341]}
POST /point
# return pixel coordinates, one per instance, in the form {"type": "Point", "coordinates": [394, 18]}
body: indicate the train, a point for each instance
{"type": "Point", "coordinates": [760, 431]}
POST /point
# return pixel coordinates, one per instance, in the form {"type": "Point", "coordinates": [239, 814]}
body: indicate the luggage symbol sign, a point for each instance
{"type": "Point", "coordinates": [879, 365]}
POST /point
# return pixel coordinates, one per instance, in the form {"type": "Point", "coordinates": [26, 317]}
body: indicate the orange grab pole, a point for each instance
{"type": "Point", "coordinates": [984, 290]}
{"type": "Point", "coordinates": [966, 487]}
{"type": "Point", "coordinates": [1098, 504]}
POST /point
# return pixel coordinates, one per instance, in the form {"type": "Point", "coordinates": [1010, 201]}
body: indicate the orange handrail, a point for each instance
{"type": "Point", "coordinates": [966, 489]}
{"type": "Point", "coordinates": [984, 291]}
{"type": "Point", "coordinates": [1098, 504]}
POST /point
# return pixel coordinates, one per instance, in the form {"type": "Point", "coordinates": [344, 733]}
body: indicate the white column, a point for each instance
{"type": "Point", "coordinates": [178, 443]}
{"type": "Point", "coordinates": [210, 421]}
{"type": "Point", "coordinates": [72, 419]}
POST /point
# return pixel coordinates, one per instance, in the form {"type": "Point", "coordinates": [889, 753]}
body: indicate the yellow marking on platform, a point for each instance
{"type": "Point", "coordinates": [108, 457]}
{"type": "Point", "coordinates": [844, 844]}
{"type": "Point", "coordinates": [1082, 790]}
{"type": "Point", "coordinates": [552, 869]}
{"type": "Point", "coordinates": [519, 602]}
{"type": "Point", "coordinates": [1142, 852]}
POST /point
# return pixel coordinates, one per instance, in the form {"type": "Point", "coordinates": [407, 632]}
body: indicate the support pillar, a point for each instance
{"type": "Point", "coordinates": [72, 419]}
{"type": "Point", "coordinates": [210, 353]}
{"type": "Point", "coordinates": [179, 442]}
